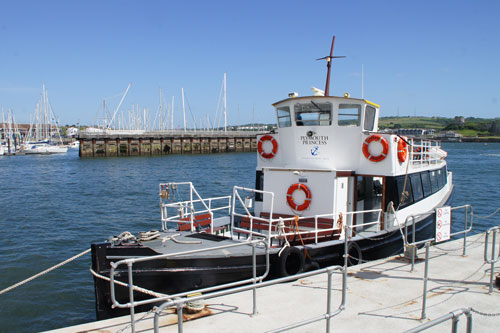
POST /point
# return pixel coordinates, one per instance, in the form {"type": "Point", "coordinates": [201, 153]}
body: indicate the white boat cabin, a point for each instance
{"type": "Point", "coordinates": [328, 158]}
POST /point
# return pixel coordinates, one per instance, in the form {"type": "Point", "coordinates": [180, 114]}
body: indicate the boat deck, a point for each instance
{"type": "Point", "coordinates": [382, 295]}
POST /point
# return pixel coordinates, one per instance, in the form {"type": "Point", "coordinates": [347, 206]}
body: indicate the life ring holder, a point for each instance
{"type": "Point", "coordinates": [383, 142]}
{"type": "Point", "coordinates": [291, 262]}
{"type": "Point", "coordinates": [260, 144]}
{"type": "Point", "coordinates": [402, 150]}
{"type": "Point", "coordinates": [291, 202]}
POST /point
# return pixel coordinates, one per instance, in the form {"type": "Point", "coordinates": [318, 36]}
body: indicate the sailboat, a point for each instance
{"type": "Point", "coordinates": [44, 137]}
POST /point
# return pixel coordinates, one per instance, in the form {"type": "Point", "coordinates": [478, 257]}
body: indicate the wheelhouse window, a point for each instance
{"type": "Point", "coordinates": [369, 123]}
{"type": "Point", "coordinates": [349, 114]}
{"type": "Point", "coordinates": [284, 119]}
{"type": "Point", "coordinates": [313, 114]}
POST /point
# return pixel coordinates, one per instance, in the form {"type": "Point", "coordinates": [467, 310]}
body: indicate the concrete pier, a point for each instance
{"type": "Point", "coordinates": [121, 143]}
{"type": "Point", "coordinates": [382, 296]}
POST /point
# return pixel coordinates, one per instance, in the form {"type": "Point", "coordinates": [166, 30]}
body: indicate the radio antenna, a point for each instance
{"type": "Point", "coordinates": [328, 66]}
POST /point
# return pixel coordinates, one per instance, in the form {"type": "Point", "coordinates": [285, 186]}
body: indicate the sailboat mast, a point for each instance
{"type": "Point", "coordinates": [225, 104]}
{"type": "Point", "coordinates": [172, 115]}
{"type": "Point", "coordinates": [183, 110]}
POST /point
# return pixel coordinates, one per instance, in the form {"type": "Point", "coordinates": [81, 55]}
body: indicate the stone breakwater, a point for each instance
{"type": "Point", "coordinates": [164, 143]}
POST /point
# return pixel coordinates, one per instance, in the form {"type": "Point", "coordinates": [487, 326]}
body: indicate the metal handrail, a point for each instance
{"type": "Point", "coordinates": [414, 243]}
{"type": "Point", "coordinates": [428, 243]}
{"type": "Point", "coordinates": [454, 316]}
{"type": "Point", "coordinates": [492, 259]}
{"type": "Point", "coordinates": [130, 261]}
{"type": "Point", "coordinates": [178, 303]}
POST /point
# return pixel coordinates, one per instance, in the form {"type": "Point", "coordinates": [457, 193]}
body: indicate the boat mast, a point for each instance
{"type": "Point", "coordinates": [329, 65]}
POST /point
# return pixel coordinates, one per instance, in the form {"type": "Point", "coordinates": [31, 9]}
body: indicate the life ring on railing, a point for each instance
{"type": "Point", "coordinates": [260, 148]}
{"type": "Point", "coordinates": [402, 150]}
{"type": "Point", "coordinates": [291, 202]}
{"type": "Point", "coordinates": [383, 142]}
{"type": "Point", "coordinates": [291, 262]}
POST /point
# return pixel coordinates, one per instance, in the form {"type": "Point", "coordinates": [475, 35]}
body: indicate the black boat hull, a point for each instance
{"type": "Point", "coordinates": [177, 275]}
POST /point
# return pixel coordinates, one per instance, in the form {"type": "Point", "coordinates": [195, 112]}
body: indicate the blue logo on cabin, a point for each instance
{"type": "Point", "coordinates": [315, 151]}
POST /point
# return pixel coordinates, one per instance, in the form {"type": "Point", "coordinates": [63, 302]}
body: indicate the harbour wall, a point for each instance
{"type": "Point", "coordinates": [112, 144]}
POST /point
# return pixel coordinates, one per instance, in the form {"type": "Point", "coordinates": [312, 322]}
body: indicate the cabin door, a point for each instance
{"type": "Point", "coordinates": [344, 198]}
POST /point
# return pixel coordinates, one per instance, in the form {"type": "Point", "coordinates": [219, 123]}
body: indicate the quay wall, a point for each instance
{"type": "Point", "coordinates": [154, 144]}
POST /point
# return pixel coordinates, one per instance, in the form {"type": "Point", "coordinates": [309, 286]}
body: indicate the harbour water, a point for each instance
{"type": "Point", "coordinates": [53, 207]}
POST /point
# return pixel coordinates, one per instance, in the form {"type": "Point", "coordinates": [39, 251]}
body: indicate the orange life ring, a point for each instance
{"type": "Point", "coordinates": [289, 197]}
{"type": "Point", "coordinates": [261, 150]}
{"type": "Point", "coordinates": [385, 148]}
{"type": "Point", "coordinates": [402, 150]}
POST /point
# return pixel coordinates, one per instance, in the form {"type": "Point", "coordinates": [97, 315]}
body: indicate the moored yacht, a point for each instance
{"type": "Point", "coordinates": [324, 177]}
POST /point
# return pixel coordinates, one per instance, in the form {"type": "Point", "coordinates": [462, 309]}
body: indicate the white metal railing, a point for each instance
{"type": "Point", "coordinates": [494, 257]}
{"type": "Point", "coordinates": [425, 152]}
{"type": "Point", "coordinates": [186, 209]}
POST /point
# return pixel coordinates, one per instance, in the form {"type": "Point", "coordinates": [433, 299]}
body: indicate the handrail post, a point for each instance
{"type": "Point", "coordinates": [180, 327]}
{"type": "Point", "coordinates": [414, 250]}
{"type": "Point", "coordinates": [464, 250]}
{"type": "Point", "coordinates": [493, 260]}
{"type": "Point", "coordinates": [329, 302]}
{"type": "Point", "coordinates": [426, 276]}
{"type": "Point", "coordinates": [131, 296]}
{"type": "Point", "coordinates": [254, 275]}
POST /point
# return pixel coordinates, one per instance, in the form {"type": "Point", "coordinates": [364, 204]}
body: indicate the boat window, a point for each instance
{"type": "Point", "coordinates": [444, 174]}
{"type": "Point", "coordinates": [259, 185]}
{"type": "Point", "coordinates": [349, 114]}
{"type": "Point", "coordinates": [416, 186]}
{"type": "Point", "coordinates": [434, 181]}
{"type": "Point", "coordinates": [369, 197]}
{"type": "Point", "coordinates": [426, 184]}
{"type": "Point", "coordinates": [313, 114]}
{"type": "Point", "coordinates": [369, 123]}
{"type": "Point", "coordinates": [404, 191]}
{"type": "Point", "coordinates": [440, 178]}
{"type": "Point", "coordinates": [284, 119]}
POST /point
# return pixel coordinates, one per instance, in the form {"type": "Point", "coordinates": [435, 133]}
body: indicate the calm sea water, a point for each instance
{"type": "Point", "coordinates": [53, 207]}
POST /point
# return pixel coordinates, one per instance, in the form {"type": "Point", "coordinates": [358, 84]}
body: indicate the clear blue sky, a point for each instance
{"type": "Point", "coordinates": [429, 58]}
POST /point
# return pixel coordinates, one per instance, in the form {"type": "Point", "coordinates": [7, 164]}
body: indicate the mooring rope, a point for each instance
{"type": "Point", "coordinates": [44, 272]}
{"type": "Point", "coordinates": [126, 285]}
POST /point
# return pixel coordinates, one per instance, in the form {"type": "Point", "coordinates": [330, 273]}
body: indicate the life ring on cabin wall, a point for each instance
{"type": "Point", "coordinates": [291, 202]}
{"type": "Point", "coordinates": [383, 142]}
{"type": "Point", "coordinates": [402, 150]}
{"type": "Point", "coordinates": [260, 148]}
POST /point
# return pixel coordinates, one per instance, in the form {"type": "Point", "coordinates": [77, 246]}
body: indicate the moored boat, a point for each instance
{"type": "Point", "coordinates": [324, 177]}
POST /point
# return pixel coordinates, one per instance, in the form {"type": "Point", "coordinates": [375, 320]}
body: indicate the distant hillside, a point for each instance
{"type": "Point", "coordinates": [466, 126]}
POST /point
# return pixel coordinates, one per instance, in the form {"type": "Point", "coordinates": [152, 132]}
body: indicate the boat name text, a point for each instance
{"type": "Point", "coordinates": [314, 140]}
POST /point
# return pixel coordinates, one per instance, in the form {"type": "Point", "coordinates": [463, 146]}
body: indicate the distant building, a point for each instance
{"type": "Point", "coordinates": [459, 120]}
{"type": "Point", "coordinates": [415, 132]}
{"type": "Point", "coordinates": [449, 136]}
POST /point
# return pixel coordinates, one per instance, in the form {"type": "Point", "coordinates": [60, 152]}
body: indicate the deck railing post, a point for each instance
{"type": "Point", "coordinates": [426, 276]}
{"type": "Point", "coordinates": [329, 302]}
{"type": "Point", "coordinates": [180, 327]}
{"type": "Point", "coordinates": [254, 275]}
{"type": "Point", "coordinates": [131, 296]}
{"type": "Point", "coordinates": [464, 250]}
